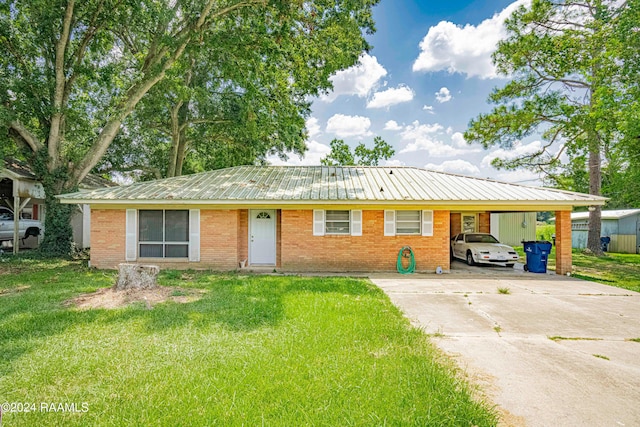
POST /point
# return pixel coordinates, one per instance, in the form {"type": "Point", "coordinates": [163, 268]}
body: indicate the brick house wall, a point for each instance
{"type": "Point", "coordinates": [107, 237]}
{"type": "Point", "coordinates": [563, 242]}
{"type": "Point", "coordinates": [224, 242]}
{"type": "Point", "coordinates": [302, 251]}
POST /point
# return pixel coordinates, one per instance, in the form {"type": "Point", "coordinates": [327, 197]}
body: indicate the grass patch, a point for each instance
{"type": "Point", "coordinates": [633, 339]}
{"type": "Point", "coordinates": [504, 291]}
{"type": "Point", "coordinates": [560, 338]}
{"type": "Point", "coordinates": [600, 356]}
{"type": "Point", "coordinates": [254, 350]}
{"type": "Point", "coordinates": [619, 270]}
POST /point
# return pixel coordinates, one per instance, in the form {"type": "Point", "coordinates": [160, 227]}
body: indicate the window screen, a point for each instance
{"type": "Point", "coordinates": [408, 222]}
{"type": "Point", "coordinates": [337, 222]}
{"type": "Point", "coordinates": [163, 234]}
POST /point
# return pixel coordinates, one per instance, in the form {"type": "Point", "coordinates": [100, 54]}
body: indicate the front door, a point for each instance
{"type": "Point", "coordinates": [262, 237]}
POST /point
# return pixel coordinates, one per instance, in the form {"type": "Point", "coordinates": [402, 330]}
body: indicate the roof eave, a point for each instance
{"type": "Point", "coordinates": [539, 204]}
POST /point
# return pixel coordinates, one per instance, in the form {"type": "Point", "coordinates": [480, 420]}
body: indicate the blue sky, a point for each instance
{"type": "Point", "coordinates": [428, 74]}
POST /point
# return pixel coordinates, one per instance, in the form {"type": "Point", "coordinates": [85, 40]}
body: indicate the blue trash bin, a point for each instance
{"type": "Point", "coordinates": [537, 253]}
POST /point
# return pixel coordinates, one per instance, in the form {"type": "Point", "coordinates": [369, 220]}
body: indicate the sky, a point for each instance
{"type": "Point", "coordinates": [428, 74]}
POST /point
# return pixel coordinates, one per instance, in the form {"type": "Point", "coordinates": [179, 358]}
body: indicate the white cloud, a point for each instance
{"type": "Point", "coordinates": [443, 95]}
{"type": "Point", "coordinates": [454, 166]}
{"type": "Point", "coordinates": [315, 152]}
{"type": "Point", "coordinates": [457, 138]}
{"type": "Point", "coordinates": [358, 80]}
{"type": "Point", "coordinates": [391, 96]}
{"type": "Point", "coordinates": [392, 125]}
{"type": "Point", "coordinates": [313, 127]}
{"type": "Point", "coordinates": [467, 49]}
{"type": "Point", "coordinates": [431, 138]}
{"type": "Point", "coordinates": [428, 108]}
{"type": "Point", "coordinates": [346, 126]}
{"type": "Point", "coordinates": [394, 162]}
{"type": "Point", "coordinates": [520, 176]}
{"type": "Point", "coordinates": [518, 149]}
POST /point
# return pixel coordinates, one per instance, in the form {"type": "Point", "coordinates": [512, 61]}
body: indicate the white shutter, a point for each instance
{"type": "Point", "coordinates": [194, 235]}
{"type": "Point", "coordinates": [356, 223]}
{"type": "Point", "coordinates": [389, 223]}
{"type": "Point", "coordinates": [427, 223]}
{"type": "Point", "coordinates": [318, 222]}
{"type": "Point", "coordinates": [131, 227]}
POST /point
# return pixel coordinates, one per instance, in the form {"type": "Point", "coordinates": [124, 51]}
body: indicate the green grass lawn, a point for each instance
{"type": "Point", "coordinates": [620, 270]}
{"type": "Point", "coordinates": [254, 350]}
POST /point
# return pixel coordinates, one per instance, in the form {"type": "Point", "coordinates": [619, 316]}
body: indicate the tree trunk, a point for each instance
{"type": "Point", "coordinates": [595, 182]}
{"type": "Point", "coordinates": [136, 276]}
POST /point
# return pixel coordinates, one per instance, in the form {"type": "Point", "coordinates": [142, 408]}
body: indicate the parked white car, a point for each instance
{"type": "Point", "coordinates": [482, 248]}
{"type": "Point", "coordinates": [26, 227]}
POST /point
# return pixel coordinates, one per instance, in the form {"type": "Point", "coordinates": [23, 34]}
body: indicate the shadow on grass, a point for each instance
{"type": "Point", "coordinates": [32, 303]}
{"type": "Point", "coordinates": [242, 303]}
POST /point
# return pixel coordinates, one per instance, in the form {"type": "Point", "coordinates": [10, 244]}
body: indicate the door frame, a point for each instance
{"type": "Point", "coordinates": [273, 213]}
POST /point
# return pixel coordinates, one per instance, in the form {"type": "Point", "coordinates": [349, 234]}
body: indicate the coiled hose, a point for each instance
{"type": "Point", "coordinates": [412, 260]}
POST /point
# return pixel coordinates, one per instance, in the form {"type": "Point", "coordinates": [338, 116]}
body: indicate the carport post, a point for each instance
{"type": "Point", "coordinates": [563, 242]}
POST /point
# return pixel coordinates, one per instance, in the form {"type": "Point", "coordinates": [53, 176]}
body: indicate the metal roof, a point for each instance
{"type": "Point", "coordinates": [330, 184]}
{"type": "Point", "coordinates": [16, 169]}
{"type": "Point", "coordinates": [613, 214]}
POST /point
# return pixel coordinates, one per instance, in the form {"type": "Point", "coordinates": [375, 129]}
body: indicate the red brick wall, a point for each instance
{"type": "Point", "coordinates": [243, 235]}
{"type": "Point", "coordinates": [224, 242]}
{"type": "Point", "coordinates": [302, 251]}
{"type": "Point", "coordinates": [456, 224]}
{"type": "Point", "coordinates": [107, 237]}
{"type": "Point", "coordinates": [219, 240]}
{"type": "Point", "coordinates": [484, 222]}
{"type": "Point", "coordinates": [563, 242]}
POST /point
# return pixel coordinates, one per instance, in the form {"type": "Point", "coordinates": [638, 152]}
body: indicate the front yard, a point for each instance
{"type": "Point", "coordinates": [252, 350]}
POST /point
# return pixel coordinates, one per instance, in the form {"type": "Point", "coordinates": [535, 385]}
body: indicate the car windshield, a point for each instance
{"type": "Point", "coordinates": [481, 238]}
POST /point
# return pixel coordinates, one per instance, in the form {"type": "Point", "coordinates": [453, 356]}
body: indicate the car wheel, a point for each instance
{"type": "Point", "coordinates": [510, 265]}
{"type": "Point", "coordinates": [470, 258]}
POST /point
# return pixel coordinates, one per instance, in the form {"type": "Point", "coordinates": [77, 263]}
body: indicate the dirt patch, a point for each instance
{"type": "Point", "coordinates": [13, 290]}
{"type": "Point", "coordinates": [109, 298]}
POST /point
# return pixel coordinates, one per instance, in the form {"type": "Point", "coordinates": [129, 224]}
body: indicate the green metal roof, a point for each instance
{"type": "Point", "coordinates": [327, 184]}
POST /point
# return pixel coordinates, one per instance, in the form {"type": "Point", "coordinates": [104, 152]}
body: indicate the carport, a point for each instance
{"type": "Point", "coordinates": [20, 191]}
{"type": "Point", "coordinates": [478, 220]}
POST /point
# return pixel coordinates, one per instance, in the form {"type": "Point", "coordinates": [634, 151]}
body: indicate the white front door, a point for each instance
{"type": "Point", "coordinates": [262, 237]}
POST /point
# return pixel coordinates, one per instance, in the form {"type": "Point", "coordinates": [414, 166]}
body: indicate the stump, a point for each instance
{"type": "Point", "coordinates": [136, 276]}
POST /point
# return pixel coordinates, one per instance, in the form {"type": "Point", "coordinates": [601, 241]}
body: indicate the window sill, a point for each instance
{"type": "Point", "coordinates": [158, 260]}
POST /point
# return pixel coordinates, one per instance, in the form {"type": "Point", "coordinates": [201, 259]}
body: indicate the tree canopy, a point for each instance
{"type": "Point", "coordinates": [341, 154]}
{"type": "Point", "coordinates": [77, 76]}
{"type": "Point", "coordinates": [567, 85]}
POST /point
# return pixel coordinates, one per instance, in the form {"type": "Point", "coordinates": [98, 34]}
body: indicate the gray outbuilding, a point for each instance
{"type": "Point", "coordinates": [622, 226]}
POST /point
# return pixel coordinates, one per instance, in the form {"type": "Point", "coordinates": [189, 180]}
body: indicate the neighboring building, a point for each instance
{"type": "Point", "coordinates": [513, 228]}
{"type": "Point", "coordinates": [19, 187]}
{"type": "Point", "coordinates": [622, 226]}
{"type": "Point", "coordinates": [315, 218]}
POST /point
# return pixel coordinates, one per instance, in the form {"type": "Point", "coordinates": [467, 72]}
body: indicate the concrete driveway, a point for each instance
{"type": "Point", "coordinates": [553, 351]}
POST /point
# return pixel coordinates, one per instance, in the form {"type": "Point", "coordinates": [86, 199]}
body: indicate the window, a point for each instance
{"type": "Point", "coordinates": [469, 223]}
{"type": "Point", "coordinates": [408, 222]}
{"type": "Point", "coordinates": [163, 234]}
{"type": "Point", "coordinates": [337, 222]}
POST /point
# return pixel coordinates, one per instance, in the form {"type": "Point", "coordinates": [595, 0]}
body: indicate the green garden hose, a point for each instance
{"type": "Point", "coordinates": [412, 261]}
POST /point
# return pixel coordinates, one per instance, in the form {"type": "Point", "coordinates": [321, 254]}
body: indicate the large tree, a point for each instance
{"type": "Point", "coordinates": [72, 73]}
{"type": "Point", "coordinates": [564, 63]}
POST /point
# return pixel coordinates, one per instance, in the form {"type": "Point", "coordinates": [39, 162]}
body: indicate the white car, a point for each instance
{"type": "Point", "coordinates": [26, 227]}
{"type": "Point", "coordinates": [482, 248]}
